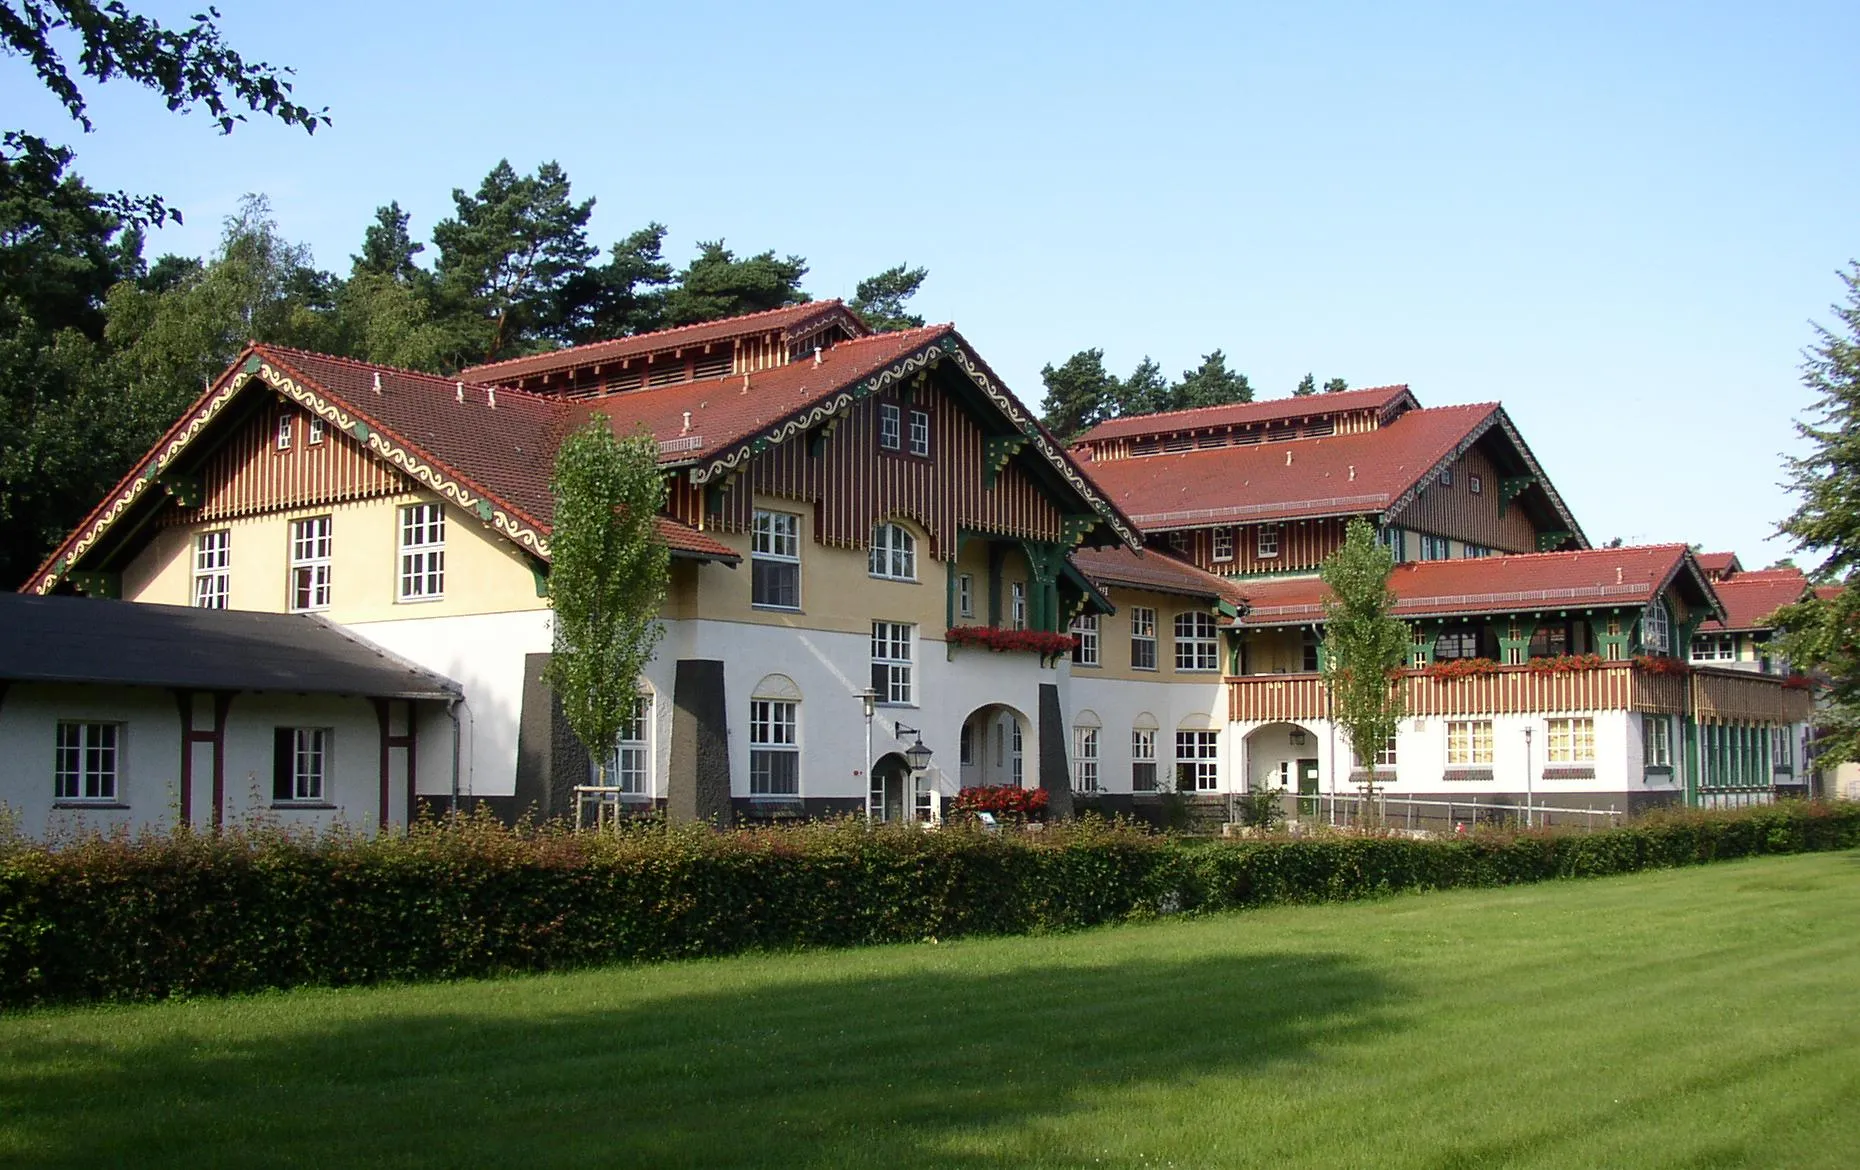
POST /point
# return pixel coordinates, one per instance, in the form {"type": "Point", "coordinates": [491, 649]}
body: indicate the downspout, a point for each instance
{"type": "Point", "coordinates": [452, 713]}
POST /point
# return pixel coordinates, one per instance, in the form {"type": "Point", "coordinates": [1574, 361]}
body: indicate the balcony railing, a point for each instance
{"type": "Point", "coordinates": [1517, 690]}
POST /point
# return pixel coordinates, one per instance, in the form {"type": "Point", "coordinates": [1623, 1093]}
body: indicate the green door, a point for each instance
{"type": "Point", "coordinates": [1307, 788]}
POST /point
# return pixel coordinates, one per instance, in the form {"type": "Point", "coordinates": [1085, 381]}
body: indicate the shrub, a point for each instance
{"type": "Point", "coordinates": [192, 913]}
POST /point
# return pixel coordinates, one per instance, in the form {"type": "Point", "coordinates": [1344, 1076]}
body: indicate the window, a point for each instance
{"type": "Point", "coordinates": [1782, 750]}
{"type": "Point", "coordinates": [1017, 605]}
{"type": "Point", "coordinates": [1223, 544]}
{"type": "Point", "coordinates": [299, 763]}
{"type": "Point", "coordinates": [891, 662]}
{"type": "Point", "coordinates": [628, 767]}
{"type": "Point", "coordinates": [1656, 629]}
{"type": "Point", "coordinates": [1435, 548]}
{"type": "Point", "coordinates": [1474, 483]}
{"type": "Point", "coordinates": [284, 432]}
{"type": "Point", "coordinates": [212, 569]}
{"type": "Point", "coordinates": [965, 595]}
{"type": "Point", "coordinates": [1085, 759]}
{"type": "Point", "coordinates": [1142, 638]}
{"type": "Point", "coordinates": [1714, 647]}
{"type": "Point", "coordinates": [1657, 741]}
{"type": "Point", "coordinates": [422, 552]}
{"type": "Point", "coordinates": [889, 419]}
{"type": "Point", "coordinates": [894, 553]}
{"type": "Point", "coordinates": [1446, 477]}
{"type": "Point", "coordinates": [1266, 543]}
{"type": "Point", "coordinates": [1178, 542]}
{"type": "Point", "coordinates": [1015, 754]}
{"type": "Point", "coordinates": [774, 748]}
{"type": "Point", "coordinates": [1197, 761]}
{"type": "Point", "coordinates": [1143, 759]}
{"type": "Point", "coordinates": [1469, 743]}
{"type": "Point", "coordinates": [1195, 646]}
{"type": "Point", "coordinates": [775, 560]}
{"type": "Point", "coordinates": [1474, 551]}
{"type": "Point", "coordinates": [1393, 540]}
{"type": "Point", "coordinates": [1572, 741]}
{"type": "Point", "coordinates": [85, 764]}
{"type": "Point", "coordinates": [1085, 629]}
{"type": "Point", "coordinates": [310, 547]}
{"type": "Point", "coordinates": [920, 432]}
{"type": "Point", "coordinates": [1308, 661]}
{"type": "Point", "coordinates": [1385, 755]}
{"type": "Point", "coordinates": [1460, 643]}
{"type": "Point", "coordinates": [316, 430]}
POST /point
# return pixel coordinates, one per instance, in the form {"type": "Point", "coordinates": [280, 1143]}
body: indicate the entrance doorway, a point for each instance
{"type": "Point", "coordinates": [891, 782]}
{"type": "Point", "coordinates": [1307, 788]}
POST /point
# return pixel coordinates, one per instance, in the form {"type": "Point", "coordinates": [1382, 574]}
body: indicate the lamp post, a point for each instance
{"type": "Point", "coordinates": [868, 699]}
{"type": "Point", "coordinates": [1530, 818]}
{"type": "Point", "coordinates": [916, 758]}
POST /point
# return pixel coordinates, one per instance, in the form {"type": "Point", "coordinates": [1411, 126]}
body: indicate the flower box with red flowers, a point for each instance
{"type": "Point", "coordinates": [1661, 664]}
{"type": "Point", "coordinates": [1046, 645]}
{"type": "Point", "coordinates": [1461, 668]}
{"type": "Point", "coordinates": [1002, 801]}
{"type": "Point", "coordinates": [1566, 663]}
{"type": "Point", "coordinates": [1799, 682]}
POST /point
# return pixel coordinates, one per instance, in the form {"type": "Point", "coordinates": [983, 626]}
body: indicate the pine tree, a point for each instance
{"type": "Point", "coordinates": [1336, 386]}
{"type": "Point", "coordinates": [1365, 646]}
{"type": "Point", "coordinates": [1210, 384]}
{"type": "Point", "coordinates": [1307, 386]}
{"type": "Point", "coordinates": [1145, 391]}
{"type": "Point", "coordinates": [1079, 393]}
{"type": "Point", "coordinates": [716, 285]}
{"type": "Point", "coordinates": [388, 248]}
{"type": "Point", "coordinates": [880, 299]}
{"type": "Point", "coordinates": [1823, 634]}
{"type": "Point", "coordinates": [622, 297]}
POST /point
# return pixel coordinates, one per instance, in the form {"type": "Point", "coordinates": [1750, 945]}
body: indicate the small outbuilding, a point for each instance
{"type": "Point", "coordinates": [116, 714]}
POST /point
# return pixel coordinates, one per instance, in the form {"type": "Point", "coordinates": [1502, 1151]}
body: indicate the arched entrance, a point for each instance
{"type": "Point", "coordinates": [998, 749]}
{"type": "Point", "coordinates": [891, 787]}
{"type": "Point", "coordinates": [1288, 756]}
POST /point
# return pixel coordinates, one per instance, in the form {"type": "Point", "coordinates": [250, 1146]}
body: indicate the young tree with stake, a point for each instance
{"type": "Point", "coordinates": [607, 579]}
{"type": "Point", "coordinates": [1365, 646]}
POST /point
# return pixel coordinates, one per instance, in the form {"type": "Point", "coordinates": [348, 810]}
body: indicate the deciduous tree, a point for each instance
{"type": "Point", "coordinates": [1365, 646]}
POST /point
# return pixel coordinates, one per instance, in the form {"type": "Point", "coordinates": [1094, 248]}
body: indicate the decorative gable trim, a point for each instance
{"type": "Point", "coordinates": [1500, 420]}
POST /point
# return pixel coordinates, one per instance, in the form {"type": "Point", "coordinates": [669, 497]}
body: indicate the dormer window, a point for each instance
{"type": "Point", "coordinates": [1656, 629]}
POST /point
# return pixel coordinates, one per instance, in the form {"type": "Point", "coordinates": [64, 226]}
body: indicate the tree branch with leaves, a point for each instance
{"type": "Point", "coordinates": [1365, 646]}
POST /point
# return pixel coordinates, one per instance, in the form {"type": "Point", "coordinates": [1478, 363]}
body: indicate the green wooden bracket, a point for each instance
{"type": "Point", "coordinates": [96, 583]}
{"type": "Point", "coordinates": [183, 489]}
{"type": "Point", "coordinates": [1547, 541]}
{"type": "Point", "coordinates": [484, 510]}
{"type": "Point", "coordinates": [817, 437]}
{"type": "Point", "coordinates": [1511, 487]}
{"type": "Point", "coordinates": [251, 364]}
{"type": "Point", "coordinates": [1227, 609]}
{"type": "Point", "coordinates": [541, 574]}
{"type": "Point", "coordinates": [361, 431]}
{"type": "Point", "coordinates": [996, 452]}
{"type": "Point", "coordinates": [1074, 529]}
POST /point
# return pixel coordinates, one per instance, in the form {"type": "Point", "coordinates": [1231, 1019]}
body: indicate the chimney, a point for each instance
{"type": "Point", "coordinates": [686, 429]}
{"type": "Point", "coordinates": [816, 356]}
{"type": "Point", "coordinates": [1288, 458]}
{"type": "Point", "coordinates": [1352, 473]}
{"type": "Point", "coordinates": [1617, 574]}
{"type": "Point", "coordinates": [461, 393]}
{"type": "Point", "coordinates": [490, 396]}
{"type": "Point", "coordinates": [377, 381]}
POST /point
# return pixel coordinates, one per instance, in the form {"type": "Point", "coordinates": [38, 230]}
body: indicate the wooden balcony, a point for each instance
{"type": "Point", "coordinates": [1517, 690]}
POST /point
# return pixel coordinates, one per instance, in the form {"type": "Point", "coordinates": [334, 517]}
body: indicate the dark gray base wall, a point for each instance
{"type": "Point", "coordinates": [511, 809]}
{"type": "Point", "coordinates": [1055, 772]}
{"type": "Point", "coordinates": [748, 810]}
{"type": "Point", "coordinates": [550, 760]}
{"type": "Point", "coordinates": [698, 788]}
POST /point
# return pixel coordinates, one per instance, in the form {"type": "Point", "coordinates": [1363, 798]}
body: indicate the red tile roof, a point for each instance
{"type": "Point", "coordinates": [1718, 562]}
{"type": "Point", "coordinates": [1337, 476]}
{"type": "Point", "coordinates": [1153, 570]}
{"type": "Point", "coordinates": [683, 538]}
{"type": "Point", "coordinates": [678, 337]}
{"type": "Point", "coordinates": [1165, 422]}
{"type": "Point", "coordinates": [1752, 596]}
{"type": "Point", "coordinates": [1588, 578]}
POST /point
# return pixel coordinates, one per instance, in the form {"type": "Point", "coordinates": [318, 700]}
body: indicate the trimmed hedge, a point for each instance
{"type": "Point", "coordinates": [189, 913]}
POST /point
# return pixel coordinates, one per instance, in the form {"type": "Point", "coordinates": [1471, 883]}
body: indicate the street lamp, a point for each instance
{"type": "Point", "coordinates": [868, 700]}
{"type": "Point", "coordinates": [1530, 818]}
{"type": "Point", "coordinates": [916, 757]}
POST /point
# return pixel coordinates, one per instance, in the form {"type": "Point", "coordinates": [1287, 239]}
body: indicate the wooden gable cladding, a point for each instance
{"type": "Point", "coordinates": [1483, 518]}
{"type": "Point", "coordinates": [854, 484]}
{"type": "Point", "coordinates": [248, 475]}
{"type": "Point", "coordinates": [1302, 545]}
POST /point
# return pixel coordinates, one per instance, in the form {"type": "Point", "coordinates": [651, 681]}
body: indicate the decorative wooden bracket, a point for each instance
{"type": "Point", "coordinates": [1511, 487]}
{"type": "Point", "coordinates": [96, 583]}
{"type": "Point", "coordinates": [1074, 529]}
{"type": "Point", "coordinates": [995, 455]}
{"type": "Point", "coordinates": [183, 489]}
{"type": "Point", "coordinates": [817, 438]}
{"type": "Point", "coordinates": [1547, 541]}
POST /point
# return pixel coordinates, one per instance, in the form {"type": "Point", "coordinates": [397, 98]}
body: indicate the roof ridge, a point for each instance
{"type": "Point", "coordinates": [1568, 552]}
{"type": "Point", "coordinates": [568, 349]}
{"type": "Point", "coordinates": [402, 371]}
{"type": "Point", "coordinates": [1186, 410]}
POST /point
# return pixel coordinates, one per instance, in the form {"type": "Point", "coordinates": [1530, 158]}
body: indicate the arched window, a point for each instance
{"type": "Point", "coordinates": [894, 553]}
{"type": "Point", "coordinates": [775, 737]}
{"type": "Point", "coordinates": [1656, 629]}
{"type": "Point", "coordinates": [1085, 736]}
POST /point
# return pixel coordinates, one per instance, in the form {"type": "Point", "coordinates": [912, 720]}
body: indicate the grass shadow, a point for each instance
{"type": "Point", "coordinates": [914, 1062]}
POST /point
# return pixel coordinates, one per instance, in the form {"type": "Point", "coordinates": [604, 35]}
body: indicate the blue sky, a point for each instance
{"type": "Point", "coordinates": [1617, 219]}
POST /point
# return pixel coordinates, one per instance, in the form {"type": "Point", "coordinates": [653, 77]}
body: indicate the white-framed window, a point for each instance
{"type": "Point", "coordinates": [1085, 759]}
{"type": "Point", "coordinates": [1223, 544]}
{"type": "Point", "coordinates": [893, 554]}
{"type": "Point", "coordinates": [87, 760]}
{"type": "Point", "coordinates": [965, 595]}
{"type": "Point", "coordinates": [1017, 605]}
{"type": "Point", "coordinates": [1266, 542]}
{"type": "Point", "coordinates": [316, 430]}
{"type": "Point", "coordinates": [422, 552]}
{"type": "Point", "coordinates": [1435, 548]}
{"type": "Point", "coordinates": [1385, 755]}
{"type": "Point", "coordinates": [1656, 628]}
{"type": "Point", "coordinates": [300, 764]}
{"type": "Point", "coordinates": [1714, 647]}
{"type": "Point", "coordinates": [1474, 551]}
{"type": "Point", "coordinates": [284, 431]}
{"type": "Point", "coordinates": [774, 747]}
{"type": "Point", "coordinates": [1143, 759]}
{"type": "Point", "coordinates": [775, 560]}
{"type": "Point", "coordinates": [1085, 629]}
{"type": "Point", "coordinates": [890, 423]}
{"type": "Point", "coordinates": [1395, 540]}
{"type": "Point", "coordinates": [1572, 741]}
{"type": "Point", "coordinates": [891, 662]}
{"type": "Point", "coordinates": [1197, 761]}
{"type": "Point", "coordinates": [1446, 477]}
{"type": "Point", "coordinates": [920, 432]}
{"type": "Point", "coordinates": [1016, 753]}
{"type": "Point", "coordinates": [1474, 483]}
{"type": "Point", "coordinates": [310, 563]}
{"type": "Point", "coordinates": [630, 767]}
{"type": "Point", "coordinates": [1178, 542]}
{"type": "Point", "coordinates": [1142, 638]}
{"type": "Point", "coordinates": [1469, 743]}
{"type": "Point", "coordinates": [1459, 643]}
{"type": "Point", "coordinates": [1657, 741]}
{"type": "Point", "coordinates": [1196, 645]}
{"type": "Point", "coordinates": [1782, 749]}
{"type": "Point", "coordinates": [212, 568]}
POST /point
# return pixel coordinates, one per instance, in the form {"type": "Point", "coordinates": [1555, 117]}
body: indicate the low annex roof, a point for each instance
{"type": "Point", "coordinates": [1234, 414]}
{"type": "Point", "coordinates": [1718, 563]}
{"type": "Point", "coordinates": [1583, 579]}
{"type": "Point", "coordinates": [82, 640]}
{"type": "Point", "coordinates": [1750, 597]}
{"type": "Point", "coordinates": [788, 320]}
{"type": "Point", "coordinates": [1153, 570]}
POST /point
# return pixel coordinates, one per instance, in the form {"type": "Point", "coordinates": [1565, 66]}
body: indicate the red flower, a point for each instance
{"type": "Point", "coordinates": [1461, 668]}
{"type": "Point", "coordinates": [1008, 800]}
{"type": "Point", "coordinates": [1660, 664]}
{"type": "Point", "coordinates": [1046, 645]}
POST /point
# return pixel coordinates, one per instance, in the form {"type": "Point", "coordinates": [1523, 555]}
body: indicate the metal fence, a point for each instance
{"type": "Point", "coordinates": [1446, 815]}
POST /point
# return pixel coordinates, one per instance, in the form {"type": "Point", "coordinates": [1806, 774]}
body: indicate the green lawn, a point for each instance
{"type": "Point", "coordinates": [1693, 1018]}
